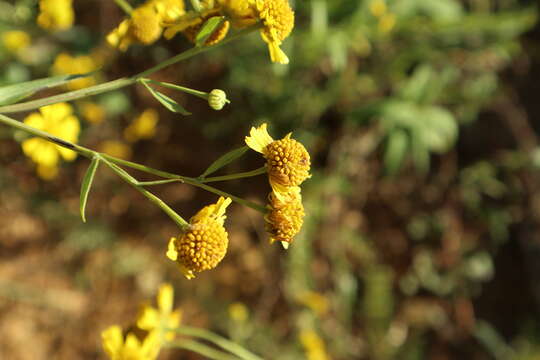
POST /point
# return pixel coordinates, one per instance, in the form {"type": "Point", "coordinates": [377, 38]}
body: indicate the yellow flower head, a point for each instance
{"type": "Point", "coordinates": [58, 121]}
{"type": "Point", "coordinates": [285, 216]}
{"type": "Point", "coordinates": [169, 10]}
{"type": "Point", "coordinates": [204, 243]}
{"type": "Point", "coordinates": [163, 317]}
{"type": "Point", "coordinates": [92, 112]}
{"type": "Point", "coordinates": [65, 64]}
{"type": "Point", "coordinates": [130, 349]}
{"type": "Point", "coordinates": [55, 14]}
{"type": "Point", "coordinates": [276, 16]}
{"type": "Point", "coordinates": [116, 149]}
{"type": "Point", "coordinates": [287, 160]}
{"type": "Point", "coordinates": [313, 345]}
{"type": "Point", "coordinates": [15, 40]}
{"type": "Point", "coordinates": [143, 127]}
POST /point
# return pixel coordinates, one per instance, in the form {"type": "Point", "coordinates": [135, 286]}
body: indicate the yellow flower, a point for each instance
{"type": "Point", "coordinates": [277, 18]}
{"type": "Point", "coordinates": [191, 23]}
{"type": "Point", "coordinates": [92, 112]}
{"type": "Point", "coordinates": [65, 64]}
{"type": "Point", "coordinates": [313, 345]}
{"type": "Point", "coordinates": [238, 312]}
{"type": "Point", "coordinates": [288, 161]}
{"type": "Point", "coordinates": [116, 149]}
{"type": "Point", "coordinates": [203, 244]}
{"type": "Point", "coordinates": [387, 23]}
{"type": "Point", "coordinates": [143, 127]}
{"type": "Point", "coordinates": [285, 216]}
{"type": "Point", "coordinates": [378, 8]}
{"type": "Point", "coordinates": [55, 14]}
{"type": "Point", "coordinates": [315, 301]}
{"type": "Point", "coordinates": [145, 24]}
{"type": "Point", "coordinates": [58, 121]}
{"type": "Point", "coordinates": [15, 40]}
{"type": "Point", "coordinates": [163, 317]}
{"type": "Point", "coordinates": [130, 349]}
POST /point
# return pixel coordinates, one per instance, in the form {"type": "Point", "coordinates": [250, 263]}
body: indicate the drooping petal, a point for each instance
{"type": "Point", "coordinates": [112, 341]}
{"type": "Point", "coordinates": [259, 138]}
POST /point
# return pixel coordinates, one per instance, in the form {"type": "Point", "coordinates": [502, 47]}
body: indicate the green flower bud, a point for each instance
{"type": "Point", "coordinates": [217, 99]}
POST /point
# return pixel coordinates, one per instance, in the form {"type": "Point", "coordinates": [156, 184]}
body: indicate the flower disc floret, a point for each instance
{"type": "Point", "coordinates": [203, 244]}
{"type": "Point", "coordinates": [285, 216]}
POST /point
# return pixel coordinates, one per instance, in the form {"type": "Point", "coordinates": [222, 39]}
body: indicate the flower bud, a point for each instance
{"type": "Point", "coordinates": [217, 99]}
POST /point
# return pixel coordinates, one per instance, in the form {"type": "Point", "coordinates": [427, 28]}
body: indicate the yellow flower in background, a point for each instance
{"type": "Point", "coordinates": [313, 345]}
{"type": "Point", "coordinates": [315, 301]}
{"type": "Point", "coordinates": [55, 14]}
{"type": "Point", "coordinates": [92, 112]}
{"type": "Point", "coordinates": [163, 317]}
{"type": "Point", "coordinates": [277, 18]}
{"type": "Point", "coordinates": [58, 121]}
{"type": "Point", "coordinates": [65, 64]}
{"type": "Point", "coordinates": [285, 216]}
{"type": "Point", "coordinates": [204, 243]}
{"type": "Point", "coordinates": [116, 149]}
{"type": "Point", "coordinates": [378, 8]}
{"type": "Point", "coordinates": [238, 312]}
{"type": "Point", "coordinates": [15, 40]}
{"type": "Point", "coordinates": [387, 23]}
{"type": "Point", "coordinates": [288, 161]}
{"type": "Point", "coordinates": [131, 348]}
{"type": "Point", "coordinates": [145, 24]}
{"type": "Point", "coordinates": [143, 127]}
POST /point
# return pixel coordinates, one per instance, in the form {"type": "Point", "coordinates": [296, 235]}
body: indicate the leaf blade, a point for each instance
{"type": "Point", "coordinates": [224, 160]}
{"type": "Point", "coordinates": [87, 184]}
{"type": "Point", "coordinates": [208, 29]}
{"type": "Point", "coordinates": [166, 101]}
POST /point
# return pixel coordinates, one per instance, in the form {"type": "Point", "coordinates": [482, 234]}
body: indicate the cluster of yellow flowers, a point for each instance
{"type": "Point", "coordinates": [58, 120]}
{"type": "Point", "coordinates": [158, 323]}
{"type": "Point", "coordinates": [56, 14]}
{"type": "Point", "coordinates": [147, 22]}
{"type": "Point", "coordinates": [386, 19]}
{"type": "Point", "coordinates": [288, 165]}
{"type": "Point", "coordinates": [203, 243]}
{"type": "Point", "coordinates": [66, 64]}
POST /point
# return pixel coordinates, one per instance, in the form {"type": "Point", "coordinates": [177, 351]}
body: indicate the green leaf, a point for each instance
{"type": "Point", "coordinates": [209, 27]}
{"type": "Point", "coordinates": [224, 160]}
{"type": "Point", "coordinates": [13, 93]}
{"type": "Point", "coordinates": [396, 149]}
{"type": "Point", "coordinates": [87, 184]}
{"type": "Point", "coordinates": [166, 101]}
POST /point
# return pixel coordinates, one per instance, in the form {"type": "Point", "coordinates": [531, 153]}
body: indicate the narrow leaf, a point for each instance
{"type": "Point", "coordinates": [396, 149]}
{"type": "Point", "coordinates": [87, 184]}
{"type": "Point", "coordinates": [166, 101]}
{"type": "Point", "coordinates": [209, 27]}
{"type": "Point", "coordinates": [224, 160]}
{"type": "Point", "coordinates": [13, 93]}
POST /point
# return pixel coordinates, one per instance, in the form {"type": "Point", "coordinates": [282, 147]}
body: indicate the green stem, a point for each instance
{"type": "Point", "coordinates": [259, 171]}
{"type": "Point", "coordinates": [183, 224]}
{"type": "Point", "coordinates": [124, 5]}
{"type": "Point", "coordinates": [202, 349]}
{"type": "Point", "coordinates": [201, 94]}
{"type": "Point", "coordinates": [223, 343]}
{"type": "Point", "coordinates": [119, 83]}
{"type": "Point", "coordinates": [90, 154]}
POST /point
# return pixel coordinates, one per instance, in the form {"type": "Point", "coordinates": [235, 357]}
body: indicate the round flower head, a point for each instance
{"type": "Point", "coordinates": [217, 99]}
{"type": "Point", "coordinates": [203, 244]}
{"type": "Point", "coordinates": [287, 160]}
{"type": "Point", "coordinates": [285, 216]}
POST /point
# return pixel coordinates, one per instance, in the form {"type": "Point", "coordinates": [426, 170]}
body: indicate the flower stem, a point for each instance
{"type": "Point", "coordinates": [201, 94]}
{"type": "Point", "coordinates": [124, 5]}
{"type": "Point", "coordinates": [259, 171]}
{"type": "Point", "coordinates": [111, 159]}
{"type": "Point", "coordinates": [119, 83]}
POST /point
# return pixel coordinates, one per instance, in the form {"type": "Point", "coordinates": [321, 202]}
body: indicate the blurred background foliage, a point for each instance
{"type": "Point", "coordinates": [422, 234]}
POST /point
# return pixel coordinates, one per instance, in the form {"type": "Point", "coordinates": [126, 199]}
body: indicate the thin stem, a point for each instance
{"type": "Point", "coordinates": [124, 5]}
{"type": "Point", "coordinates": [91, 153]}
{"type": "Point", "coordinates": [119, 83]}
{"type": "Point", "coordinates": [201, 94]}
{"type": "Point", "coordinates": [153, 198]}
{"type": "Point", "coordinates": [223, 343]}
{"type": "Point", "coordinates": [259, 171]}
{"type": "Point", "coordinates": [202, 349]}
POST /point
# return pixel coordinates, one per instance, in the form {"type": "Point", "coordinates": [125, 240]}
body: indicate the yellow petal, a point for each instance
{"type": "Point", "coordinates": [276, 54]}
{"type": "Point", "coordinates": [148, 318]}
{"type": "Point", "coordinates": [259, 138]}
{"type": "Point", "coordinates": [171, 249]}
{"type": "Point", "coordinates": [112, 341]}
{"type": "Point", "coordinates": [56, 111]}
{"type": "Point", "coordinates": [165, 298]}
{"type": "Point", "coordinates": [187, 273]}
{"type": "Point", "coordinates": [150, 346]}
{"type": "Point", "coordinates": [35, 120]}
